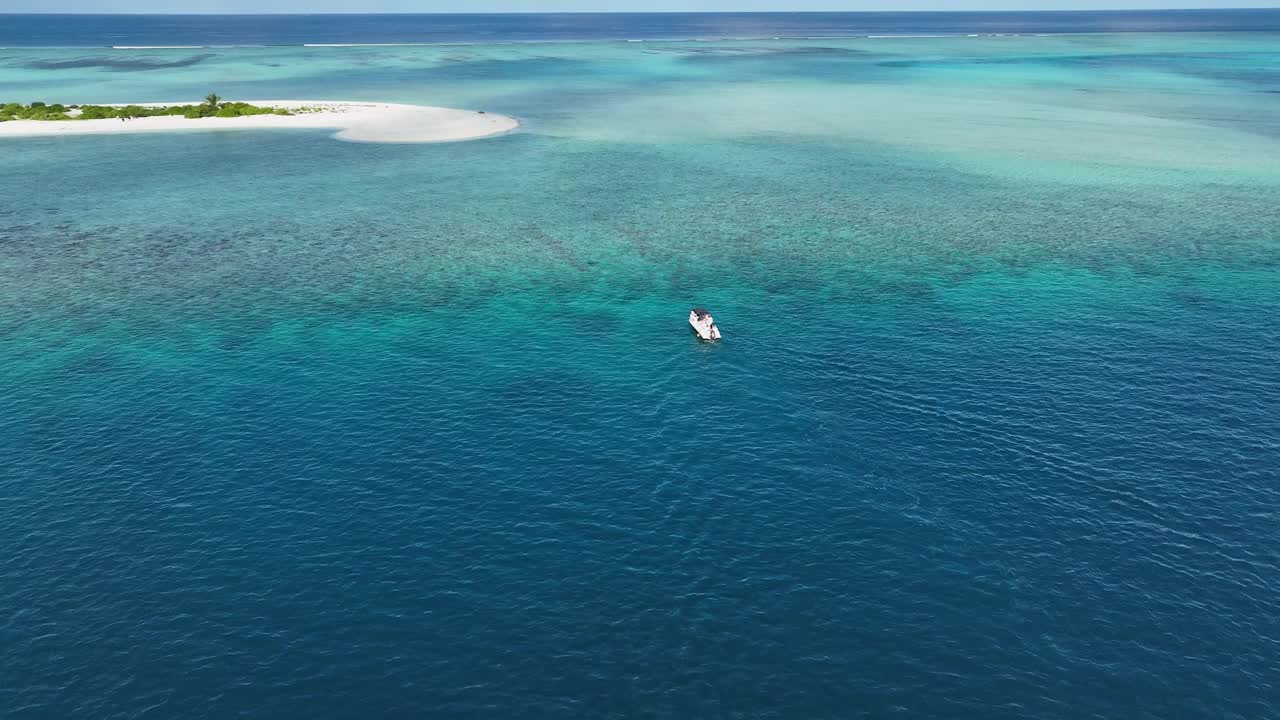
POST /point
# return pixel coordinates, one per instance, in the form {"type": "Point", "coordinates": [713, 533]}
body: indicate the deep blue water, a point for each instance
{"type": "Point", "coordinates": [109, 30]}
{"type": "Point", "coordinates": [298, 428]}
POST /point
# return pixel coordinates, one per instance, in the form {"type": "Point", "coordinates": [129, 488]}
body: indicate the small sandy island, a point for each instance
{"type": "Point", "coordinates": [354, 121]}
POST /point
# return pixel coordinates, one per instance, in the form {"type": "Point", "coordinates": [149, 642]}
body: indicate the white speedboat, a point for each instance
{"type": "Point", "coordinates": [704, 324]}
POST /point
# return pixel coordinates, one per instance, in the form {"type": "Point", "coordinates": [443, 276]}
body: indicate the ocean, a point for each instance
{"type": "Point", "coordinates": [294, 427]}
{"type": "Point", "coordinates": [240, 30]}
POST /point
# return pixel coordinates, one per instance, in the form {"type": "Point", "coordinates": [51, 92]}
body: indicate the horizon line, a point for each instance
{"type": "Point", "coordinates": [654, 12]}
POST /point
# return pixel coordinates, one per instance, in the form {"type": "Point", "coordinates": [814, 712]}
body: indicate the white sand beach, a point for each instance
{"type": "Point", "coordinates": [354, 121]}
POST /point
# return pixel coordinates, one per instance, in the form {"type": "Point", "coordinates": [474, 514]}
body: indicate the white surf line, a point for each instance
{"type": "Point", "coordinates": [354, 122]}
{"type": "Point", "coordinates": [346, 45]}
{"type": "Point", "coordinates": [181, 47]}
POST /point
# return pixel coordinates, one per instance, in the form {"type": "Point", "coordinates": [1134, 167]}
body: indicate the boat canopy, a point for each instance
{"type": "Point", "coordinates": [701, 312]}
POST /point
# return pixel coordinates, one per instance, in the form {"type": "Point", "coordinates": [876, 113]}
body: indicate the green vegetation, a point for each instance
{"type": "Point", "coordinates": [213, 106]}
{"type": "Point", "coordinates": [34, 111]}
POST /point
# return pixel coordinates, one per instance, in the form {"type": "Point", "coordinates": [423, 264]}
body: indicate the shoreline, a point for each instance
{"type": "Point", "coordinates": [354, 122]}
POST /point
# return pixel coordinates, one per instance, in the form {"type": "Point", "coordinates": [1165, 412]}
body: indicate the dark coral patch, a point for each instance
{"type": "Point", "coordinates": [118, 64]}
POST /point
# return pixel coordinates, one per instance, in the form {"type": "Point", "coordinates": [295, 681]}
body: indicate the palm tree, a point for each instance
{"type": "Point", "coordinates": [212, 99]}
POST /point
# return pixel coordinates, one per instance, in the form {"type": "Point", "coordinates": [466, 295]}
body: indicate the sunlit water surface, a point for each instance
{"type": "Point", "coordinates": [293, 427]}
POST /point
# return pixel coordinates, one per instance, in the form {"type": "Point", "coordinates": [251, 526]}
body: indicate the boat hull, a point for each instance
{"type": "Point", "coordinates": [704, 326]}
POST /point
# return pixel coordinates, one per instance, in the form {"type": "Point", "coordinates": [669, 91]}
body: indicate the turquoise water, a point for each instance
{"type": "Point", "coordinates": [295, 427]}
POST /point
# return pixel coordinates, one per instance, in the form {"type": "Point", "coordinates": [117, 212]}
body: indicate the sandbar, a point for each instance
{"type": "Point", "coordinates": [354, 122]}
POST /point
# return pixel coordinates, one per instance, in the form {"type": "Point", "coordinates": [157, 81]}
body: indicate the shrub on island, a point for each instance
{"type": "Point", "coordinates": [212, 107]}
{"type": "Point", "coordinates": [240, 109]}
{"type": "Point", "coordinates": [34, 111]}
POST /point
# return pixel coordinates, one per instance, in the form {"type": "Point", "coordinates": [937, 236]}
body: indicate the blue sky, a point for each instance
{"type": "Point", "coordinates": [320, 6]}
